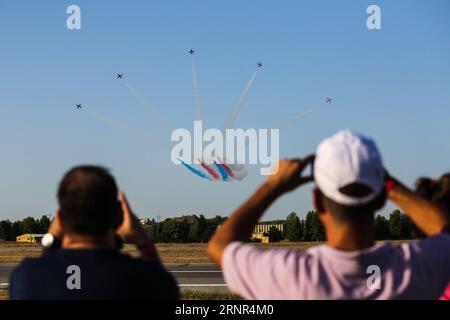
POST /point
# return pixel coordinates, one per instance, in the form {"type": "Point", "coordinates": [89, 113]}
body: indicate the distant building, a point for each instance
{"type": "Point", "coordinates": [144, 221]}
{"type": "Point", "coordinates": [264, 227]}
{"type": "Point", "coordinates": [29, 238]}
{"type": "Point", "coordinates": [189, 218]}
{"type": "Point", "coordinates": [261, 230]}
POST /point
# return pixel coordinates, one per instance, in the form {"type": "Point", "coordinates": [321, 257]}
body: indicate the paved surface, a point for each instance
{"type": "Point", "coordinates": [5, 271]}
{"type": "Point", "coordinates": [198, 276]}
{"type": "Point", "coordinates": [195, 276]}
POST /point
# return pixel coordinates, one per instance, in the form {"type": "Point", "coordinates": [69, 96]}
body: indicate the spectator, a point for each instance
{"type": "Point", "coordinates": [82, 259]}
{"type": "Point", "coordinates": [351, 186]}
{"type": "Point", "coordinates": [438, 192]}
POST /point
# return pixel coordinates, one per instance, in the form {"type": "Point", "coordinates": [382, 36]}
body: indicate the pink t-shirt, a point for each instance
{"type": "Point", "coordinates": [446, 295]}
{"type": "Point", "coordinates": [413, 270]}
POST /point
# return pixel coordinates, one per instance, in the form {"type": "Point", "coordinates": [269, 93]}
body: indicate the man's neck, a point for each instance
{"type": "Point", "coordinates": [351, 238]}
{"type": "Point", "coordinates": [77, 241]}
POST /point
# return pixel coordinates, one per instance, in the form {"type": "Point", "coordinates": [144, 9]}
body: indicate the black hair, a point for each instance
{"type": "Point", "coordinates": [87, 197]}
{"type": "Point", "coordinates": [436, 191]}
{"type": "Point", "coordinates": [355, 214]}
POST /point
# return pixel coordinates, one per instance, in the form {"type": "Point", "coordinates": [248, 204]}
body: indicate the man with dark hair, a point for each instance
{"type": "Point", "coordinates": [87, 197]}
{"type": "Point", "coordinates": [351, 185]}
{"type": "Point", "coordinates": [82, 258]}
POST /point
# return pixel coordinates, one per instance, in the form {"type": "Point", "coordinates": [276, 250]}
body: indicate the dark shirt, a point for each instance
{"type": "Point", "coordinates": [102, 274]}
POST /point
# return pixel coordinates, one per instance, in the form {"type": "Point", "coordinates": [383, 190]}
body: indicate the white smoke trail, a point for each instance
{"type": "Point", "coordinates": [136, 132]}
{"type": "Point", "coordinates": [297, 117]}
{"type": "Point", "coordinates": [237, 109]}
{"type": "Point", "coordinates": [150, 108]}
{"type": "Point", "coordinates": [197, 92]}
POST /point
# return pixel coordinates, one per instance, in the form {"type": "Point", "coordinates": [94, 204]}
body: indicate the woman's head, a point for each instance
{"type": "Point", "coordinates": [436, 191]}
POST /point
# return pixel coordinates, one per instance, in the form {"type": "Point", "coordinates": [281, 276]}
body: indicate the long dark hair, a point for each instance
{"type": "Point", "coordinates": [436, 191]}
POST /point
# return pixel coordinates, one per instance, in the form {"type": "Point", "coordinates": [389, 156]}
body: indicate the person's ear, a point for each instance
{"type": "Point", "coordinates": [318, 200]}
{"type": "Point", "coordinates": [56, 227]}
{"type": "Point", "coordinates": [380, 200]}
{"type": "Point", "coordinates": [118, 219]}
{"type": "Point", "coordinates": [58, 220]}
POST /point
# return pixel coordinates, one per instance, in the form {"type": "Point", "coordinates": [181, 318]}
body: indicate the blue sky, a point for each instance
{"type": "Point", "coordinates": [392, 84]}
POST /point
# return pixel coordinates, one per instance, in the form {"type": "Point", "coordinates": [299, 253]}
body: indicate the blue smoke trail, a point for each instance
{"type": "Point", "coordinates": [199, 173]}
{"type": "Point", "coordinates": [222, 171]}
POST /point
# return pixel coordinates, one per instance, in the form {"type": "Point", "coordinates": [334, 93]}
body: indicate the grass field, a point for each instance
{"type": "Point", "coordinates": [185, 295]}
{"type": "Point", "coordinates": [3, 294]}
{"type": "Point", "coordinates": [169, 252]}
{"type": "Point", "coordinates": [198, 295]}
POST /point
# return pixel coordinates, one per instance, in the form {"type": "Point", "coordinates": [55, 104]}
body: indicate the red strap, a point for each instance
{"type": "Point", "coordinates": [389, 184]}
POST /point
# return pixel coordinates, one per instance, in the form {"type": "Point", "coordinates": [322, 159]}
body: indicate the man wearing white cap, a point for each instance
{"type": "Point", "coordinates": [351, 186]}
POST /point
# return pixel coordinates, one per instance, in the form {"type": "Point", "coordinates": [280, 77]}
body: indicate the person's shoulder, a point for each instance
{"type": "Point", "coordinates": [428, 251]}
{"type": "Point", "coordinates": [251, 247]}
{"type": "Point", "coordinates": [317, 250]}
{"type": "Point", "coordinates": [430, 258]}
{"type": "Point", "coordinates": [153, 275]}
{"type": "Point", "coordinates": [443, 236]}
{"type": "Point", "coordinates": [434, 243]}
{"type": "Point", "coordinates": [26, 274]}
{"type": "Point", "coordinates": [124, 262]}
{"type": "Point", "coordinates": [147, 267]}
{"type": "Point", "coordinates": [276, 268]}
{"type": "Point", "coordinates": [34, 265]}
{"type": "Point", "coordinates": [27, 264]}
{"type": "Point", "coordinates": [30, 264]}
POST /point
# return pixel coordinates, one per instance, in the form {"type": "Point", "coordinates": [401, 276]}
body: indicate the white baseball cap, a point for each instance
{"type": "Point", "coordinates": [346, 158]}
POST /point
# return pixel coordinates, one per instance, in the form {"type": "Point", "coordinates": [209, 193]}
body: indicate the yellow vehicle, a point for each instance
{"type": "Point", "coordinates": [260, 236]}
{"type": "Point", "coordinates": [29, 238]}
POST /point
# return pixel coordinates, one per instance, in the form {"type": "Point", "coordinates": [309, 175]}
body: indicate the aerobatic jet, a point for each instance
{"type": "Point", "coordinates": [259, 64]}
{"type": "Point", "coordinates": [119, 76]}
{"type": "Point", "coordinates": [191, 51]}
{"type": "Point", "coordinates": [328, 100]}
{"type": "Point", "coordinates": [79, 106]}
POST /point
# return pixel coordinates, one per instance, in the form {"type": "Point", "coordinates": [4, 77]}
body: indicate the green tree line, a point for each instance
{"type": "Point", "coordinates": [181, 231]}
{"type": "Point", "coordinates": [397, 227]}
{"type": "Point", "coordinates": [10, 230]}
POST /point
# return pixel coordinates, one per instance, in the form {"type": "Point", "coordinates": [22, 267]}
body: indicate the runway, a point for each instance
{"type": "Point", "coordinates": [194, 276]}
{"type": "Point", "coordinates": [198, 276]}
